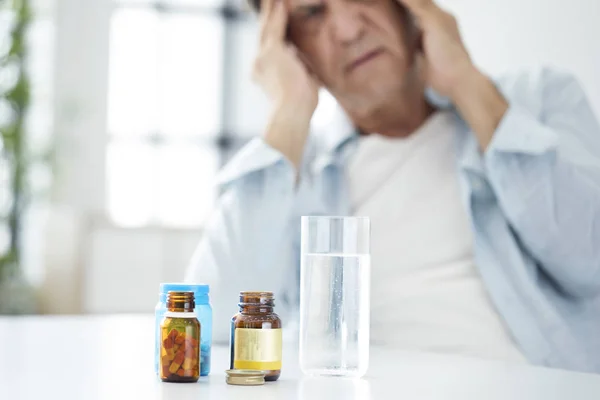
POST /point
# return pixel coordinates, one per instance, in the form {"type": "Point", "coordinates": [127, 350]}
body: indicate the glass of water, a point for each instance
{"type": "Point", "coordinates": [335, 280]}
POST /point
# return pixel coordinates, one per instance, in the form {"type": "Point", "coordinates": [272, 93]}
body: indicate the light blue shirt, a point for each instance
{"type": "Point", "coordinates": [533, 199]}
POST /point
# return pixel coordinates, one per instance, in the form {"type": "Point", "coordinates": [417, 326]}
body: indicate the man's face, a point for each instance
{"type": "Point", "coordinates": [362, 50]}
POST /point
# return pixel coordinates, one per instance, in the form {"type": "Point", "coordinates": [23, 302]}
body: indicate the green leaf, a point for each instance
{"type": "Point", "coordinates": [19, 95]}
{"type": "Point", "coordinates": [16, 48]}
{"type": "Point", "coordinates": [7, 258]}
{"type": "Point", "coordinates": [9, 134]}
{"type": "Point", "coordinates": [12, 136]}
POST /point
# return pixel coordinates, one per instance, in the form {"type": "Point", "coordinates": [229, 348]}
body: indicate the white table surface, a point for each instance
{"type": "Point", "coordinates": [111, 357]}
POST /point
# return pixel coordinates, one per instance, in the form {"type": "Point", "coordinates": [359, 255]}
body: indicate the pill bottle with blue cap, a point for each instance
{"type": "Point", "coordinates": [203, 311]}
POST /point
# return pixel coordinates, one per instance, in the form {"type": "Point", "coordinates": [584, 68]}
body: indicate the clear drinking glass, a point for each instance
{"type": "Point", "coordinates": [335, 281]}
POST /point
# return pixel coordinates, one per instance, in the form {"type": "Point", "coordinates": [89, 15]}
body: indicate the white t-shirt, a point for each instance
{"type": "Point", "coordinates": [426, 291]}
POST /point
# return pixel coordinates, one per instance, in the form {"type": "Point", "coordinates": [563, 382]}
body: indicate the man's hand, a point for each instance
{"type": "Point", "coordinates": [278, 68]}
{"type": "Point", "coordinates": [447, 62]}
{"type": "Point", "coordinates": [281, 73]}
{"type": "Point", "coordinates": [450, 71]}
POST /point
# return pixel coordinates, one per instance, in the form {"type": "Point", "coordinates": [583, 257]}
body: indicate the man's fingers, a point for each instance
{"type": "Point", "coordinates": [279, 20]}
{"type": "Point", "coordinates": [266, 9]}
{"type": "Point", "coordinates": [274, 20]}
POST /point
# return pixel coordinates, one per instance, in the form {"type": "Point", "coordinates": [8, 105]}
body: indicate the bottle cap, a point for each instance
{"type": "Point", "coordinates": [245, 377]}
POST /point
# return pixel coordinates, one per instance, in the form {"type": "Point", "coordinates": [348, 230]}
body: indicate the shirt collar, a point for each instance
{"type": "Point", "coordinates": [342, 130]}
{"type": "Point", "coordinates": [339, 132]}
{"type": "Point", "coordinates": [334, 137]}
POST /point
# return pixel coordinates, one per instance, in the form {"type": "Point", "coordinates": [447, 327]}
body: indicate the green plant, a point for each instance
{"type": "Point", "coordinates": [14, 100]}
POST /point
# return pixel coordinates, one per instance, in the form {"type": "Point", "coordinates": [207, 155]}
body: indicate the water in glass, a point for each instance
{"type": "Point", "coordinates": [334, 320]}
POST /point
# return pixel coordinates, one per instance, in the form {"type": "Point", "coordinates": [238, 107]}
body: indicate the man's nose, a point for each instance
{"type": "Point", "coordinates": [345, 23]}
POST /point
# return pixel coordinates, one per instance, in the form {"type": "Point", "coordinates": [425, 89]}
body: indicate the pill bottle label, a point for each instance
{"type": "Point", "coordinates": [257, 349]}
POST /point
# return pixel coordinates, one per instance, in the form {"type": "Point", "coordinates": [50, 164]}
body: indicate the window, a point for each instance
{"type": "Point", "coordinates": [180, 103]}
{"type": "Point", "coordinates": [170, 73]}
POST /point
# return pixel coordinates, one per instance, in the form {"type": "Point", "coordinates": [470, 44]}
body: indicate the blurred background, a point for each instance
{"type": "Point", "coordinates": [116, 115]}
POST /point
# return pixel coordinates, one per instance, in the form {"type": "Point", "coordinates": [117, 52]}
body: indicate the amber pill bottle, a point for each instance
{"type": "Point", "coordinates": [256, 340]}
{"type": "Point", "coordinates": [180, 340]}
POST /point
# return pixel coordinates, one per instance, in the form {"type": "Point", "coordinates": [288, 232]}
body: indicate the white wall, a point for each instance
{"type": "Point", "coordinates": [110, 269]}
{"type": "Point", "coordinates": [505, 35]}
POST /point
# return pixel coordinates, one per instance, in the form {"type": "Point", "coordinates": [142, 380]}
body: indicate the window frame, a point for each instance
{"type": "Point", "coordinates": [225, 140]}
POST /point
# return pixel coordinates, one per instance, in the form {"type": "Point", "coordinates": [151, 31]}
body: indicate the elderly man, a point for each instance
{"type": "Point", "coordinates": [484, 195]}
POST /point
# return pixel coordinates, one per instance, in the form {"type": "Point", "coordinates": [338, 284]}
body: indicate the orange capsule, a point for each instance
{"type": "Point", "coordinates": [179, 356]}
{"type": "Point", "coordinates": [174, 367]}
{"type": "Point", "coordinates": [179, 339]}
{"type": "Point", "coordinates": [168, 343]}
